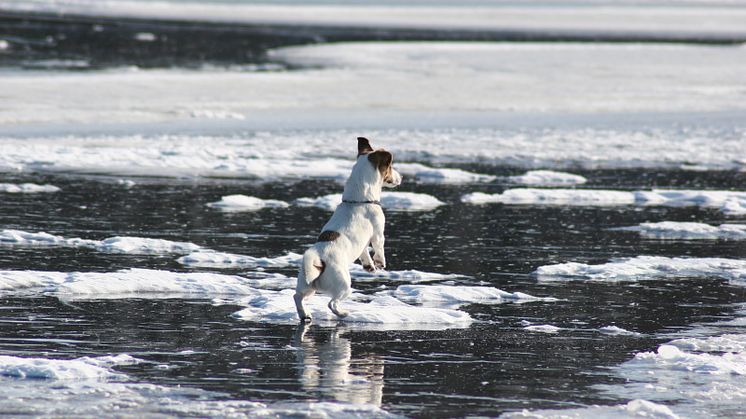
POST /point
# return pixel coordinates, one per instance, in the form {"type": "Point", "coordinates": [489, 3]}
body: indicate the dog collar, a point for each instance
{"type": "Point", "coordinates": [362, 202]}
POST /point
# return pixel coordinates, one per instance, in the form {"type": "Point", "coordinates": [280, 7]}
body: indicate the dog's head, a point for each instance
{"type": "Point", "coordinates": [382, 161]}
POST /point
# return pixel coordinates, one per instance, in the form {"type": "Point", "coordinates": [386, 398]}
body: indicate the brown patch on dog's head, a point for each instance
{"type": "Point", "coordinates": [363, 146]}
{"type": "Point", "coordinates": [383, 161]}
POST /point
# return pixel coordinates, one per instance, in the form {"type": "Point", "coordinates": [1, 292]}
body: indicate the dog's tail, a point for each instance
{"type": "Point", "coordinates": [312, 266]}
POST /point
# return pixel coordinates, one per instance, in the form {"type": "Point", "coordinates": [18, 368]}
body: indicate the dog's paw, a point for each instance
{"type": "Point", "coordinates": [306, 319]}
{"type": "Point", "coordinates": [342, 314]}
{"type": "Point", "coordinates": [379, 264]}
{"type": "Point", "coordinates": [369, 268]}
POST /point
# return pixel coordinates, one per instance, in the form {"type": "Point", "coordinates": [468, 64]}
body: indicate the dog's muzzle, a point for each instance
{"type": "Point", "coordinates": [392, 181]}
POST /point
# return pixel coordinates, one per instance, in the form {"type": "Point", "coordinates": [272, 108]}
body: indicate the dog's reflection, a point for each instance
{"type": "Point", "coordinates": [328, 367]}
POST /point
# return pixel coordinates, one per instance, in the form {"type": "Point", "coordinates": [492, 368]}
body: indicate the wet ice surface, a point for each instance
{"type": "Point", "coordinates": [572, 352]}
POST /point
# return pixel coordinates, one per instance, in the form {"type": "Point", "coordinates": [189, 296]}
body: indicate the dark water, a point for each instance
{"type": "Point", "coordinates": [492, 367]}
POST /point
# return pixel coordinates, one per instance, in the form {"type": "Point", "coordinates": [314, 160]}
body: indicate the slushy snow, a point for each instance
{"type": "Point", "coordinates": [84, 368]}
{"type": "Point", "coordinates": [643, 268]}
{"type": "Point", "coordinates": [547, 178]}
{"type": "Point", "coordinates": [637, 408]}
{"type": "Point", "coordinates": [674, 230]}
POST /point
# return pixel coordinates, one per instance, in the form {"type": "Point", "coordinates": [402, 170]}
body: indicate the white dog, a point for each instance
{"type": "Point", "coordinates": [357, 222]}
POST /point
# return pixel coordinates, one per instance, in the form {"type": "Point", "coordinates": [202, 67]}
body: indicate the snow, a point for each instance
{"type": "Point", "coordinates": [125, 245]}
{"type": "Point", "coordinates": [543, 328]}
{"type": "Point", "coordinates": [637, 408]}
{"type": "Point", "coordinates": [27, 188]}
{"type": "Point", "coordinates": [425, 174]}
{"type": "Point", "coordinates": [236, 203]}
{"type": "Point", "coordinates": [673, 230]}
{"type": "Point", "coordinates": [381, 313]}
{"type": "Point", "coordinates": [395, 201]}
{"type": "Point", "coordinates": [669, 357]}
{"type": "Point", "coordinates": [726, 201]}
{"type": "Point", "coordinates": [725, 343]}
{"type": "Point", "coordinates": [453, 296]}
{"type": "Point", "coordinates": [643, 268]}
{"type": "Point", "coordinates": [84, 368]}
{"type": "Point", "coordinates": [547, 178]}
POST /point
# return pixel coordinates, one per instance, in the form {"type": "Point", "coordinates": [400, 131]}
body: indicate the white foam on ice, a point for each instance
{"type": "Point", "coordinates": [643, 268]}
{"type": "Point", "coordinates": [84, 368]}
{"type": "Point", "coordinates": [395, 201]}
{"type": "Point", "coordinates": [726, 201]}
{"type": "Point", "coordinates": [637, 408]}
{"type": "Point", "coordinates": [124, 245]}
{"type": "Point", "coordinates": [674, 230]}
{"type": "Point", "coordinates": [237, 203]}
{"type": "Point", "coordinates": [547, 178]}
{"type": "Point", "coordinates": [381, 312]}
{"type": "Point", "coordinates": [454, 296]}
{"type": "Point", "coordinates": [213, 259]}
{"type": "Point", "coordinates": [425, 174]}
{"type": "Point", "coordinates": [617, 331]}
{"type": "Point", "coordinates": [27, 188]}
{"type": "Point", "coordinates": [543, 328]}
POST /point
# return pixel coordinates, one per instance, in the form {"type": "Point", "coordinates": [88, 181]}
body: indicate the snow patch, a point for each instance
{"type": "Point", "coordinates": [27, 188]}
{"type": "Point", "coordinates": [213, 259]}
{"type": "Point", "coordinates": [637, 408]}
{"type": "Point", "coordinates": [617, 331]}
{"type": "Point", "coordinates": [425, 174]}
{"type": "Point", "coordinates": [724, 343]}
{"type": "Point", "coordinates": [548, 178]}
{"type": "Point", "coordinates": [543, 328]}
{"type": "Point", "coordinates": [236, 203]}
{"type": "Point", "coordinates": [673, 230]}
{"type": "Point", "coordinates": [669, 357]}
{"type": "Point", "coordinates": [454, 296]}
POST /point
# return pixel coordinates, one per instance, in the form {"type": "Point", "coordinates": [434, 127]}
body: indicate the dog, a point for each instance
{"type": "Point", "coordinates": [356, 223]}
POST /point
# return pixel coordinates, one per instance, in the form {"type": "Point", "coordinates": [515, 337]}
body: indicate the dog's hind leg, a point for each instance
{"type": "Point", "coordinates": [343, 284]}
{"type": "Point", "coordinates": [299, 296]}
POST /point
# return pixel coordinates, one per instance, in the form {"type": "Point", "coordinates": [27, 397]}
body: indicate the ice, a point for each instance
{"type": "Point", "coordinates": [84, 368]}
{"type": "Point", "coordinates": [412, 276]}
{"type": "Point", "coordinates": [236, 203]}
{"type": "Point", "coordinates": [454, 296]}
{"type": "Point", "coordinates": [670, 357]}
{"type": "Point", "coordinates": [637, 408]}
{"type": "Point", "coordinates": [543, 328]}
{"type": "Point", "coordinates": [674, 230]}
{"type": "Point", "coordinates": [27, 188]}
{"type": "Point", "coordinates": [726, 201]}
{"type": "Point", "coordinates": [643, 268]}
{"type": "Point", "coordinates": [425, 174]}
{"type": "Point", "coordinates": [128, 283]}
{"type": "Point", "coordinates": [213, 259]}
{"type": "Point", "coordinates": [627, 17]}
{"type": "Point", "coordinates": [575, 197]}
{"type": "Point", "coordinates": [381, 313]}
{"type": "Point", "coordinates": [395, 201]}
{"type": "Point", "coordinates": [548, 178]}
{"type": "Point", "coordinates": [724, 343]}
{"type": "Point", "coordinates": [125, 245]}
{"type": "Point", "coordinates": [617, 331]}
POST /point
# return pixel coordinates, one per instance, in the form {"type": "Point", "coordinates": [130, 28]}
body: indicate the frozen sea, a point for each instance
{"type": "Point", "coordinates": [568, 240]}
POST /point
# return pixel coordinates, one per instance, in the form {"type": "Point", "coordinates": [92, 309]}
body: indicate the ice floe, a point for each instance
{"type": "Point", "coordinates": [397, 201]}
{"type": "Point", "coordinates": [543, 328]}
{"type": "Point", "coordinates": [381, 312]}
{"type": "Point", "coordinates": [27, 188]}
{"type": "Point", "coordinates": [124, 245]}
{"type": "Point", "coordinates": [674, 230]}
{"type": "Point", "coordinates": [84, 368]}
{"type": "Point", "coordinates": [637, 408]}
{"type": "Point", "coordinates": [454, 296]}
{"type": "Point", "coordinates": [213, 259]}
{"type": "Point", "coordinates": [236, 203]}
{"type": "Point", "coordinates": [425, 174]}
{"type": "Point", "coordinates": [547, 178]}
{"type": "Point", "coordinates": [642, 268]}
{"type": "Point", "coordinates": [728, 202]}
{"type": "Point", "coordinates": [617, 331]}
{"type": "Point", "coordinates": [132, 283]}
{"type": "Point", "coordinates": [723, 343]}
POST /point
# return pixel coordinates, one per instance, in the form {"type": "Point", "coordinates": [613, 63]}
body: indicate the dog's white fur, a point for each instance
{"type": "Point", "coordinates": [359, 222]}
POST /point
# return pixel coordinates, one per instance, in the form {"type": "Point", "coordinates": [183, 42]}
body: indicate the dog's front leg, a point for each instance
{"type": "Point", "coordinates": [379, 258]}
{"type": "Point", "coordinates": [367, 261]}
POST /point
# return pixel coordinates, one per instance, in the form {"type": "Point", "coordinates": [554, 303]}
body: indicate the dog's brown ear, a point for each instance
{"type": "Point", "coordinates": [382, 160]}
{"type": "Point", "coordinates": [363, 146]}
